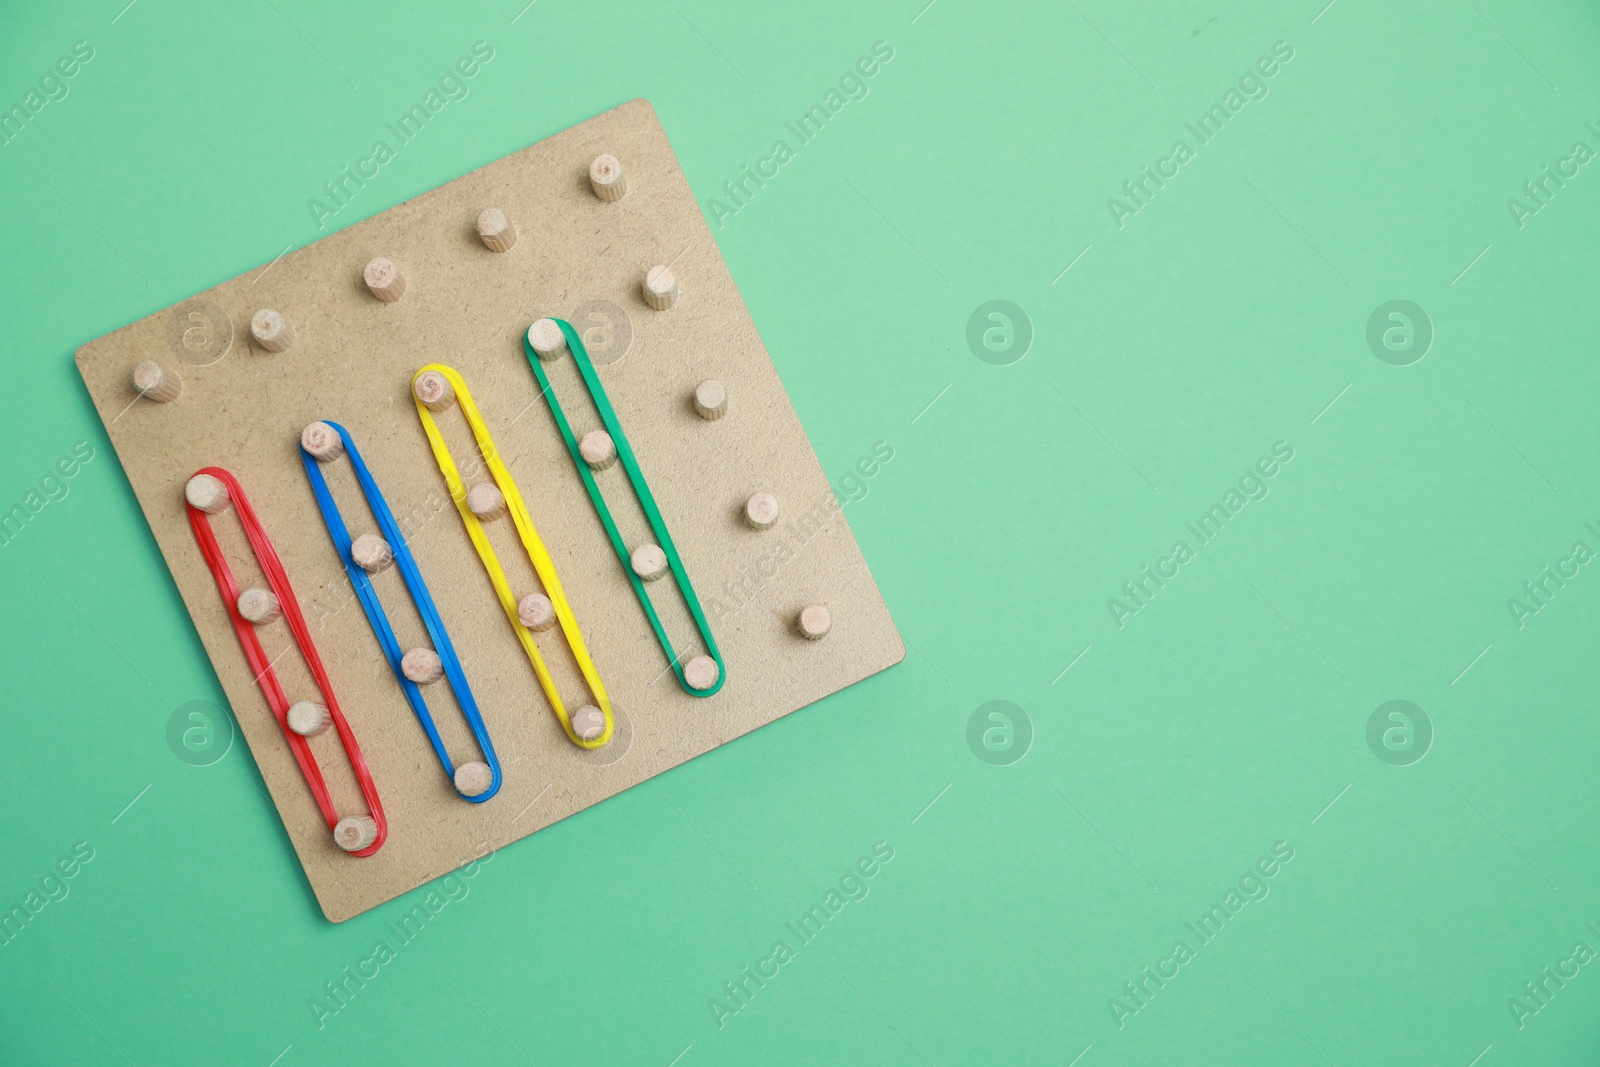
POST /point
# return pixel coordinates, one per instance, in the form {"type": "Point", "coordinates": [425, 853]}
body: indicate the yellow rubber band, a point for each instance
{"type": "Point", "coordinates": [543, 565]}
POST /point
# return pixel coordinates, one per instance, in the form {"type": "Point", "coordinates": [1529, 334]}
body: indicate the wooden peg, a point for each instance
{"type": "Point", "coordinates": [322, 441]}
{"type": "Point", "coordinates": [384, 279]}
{"type": "Point", "coordinates": [546, 339]}
{"type": "Point", "coordinates": [536, 612]}
{"type": "Point", "coordinates": [259, 605]}
{"type": "Point", "coordinates": [495, 230]}
{"type": "Point", "coordinates": [270, 331]}
{"type": "Point", "coordinates": [157, 382]}
{"type": "Point", "coordinates": [660, 287]}
{"type": "Point", "coordinates": [207, 493]}
{"type": "Point", "coordinates": [309, 719]}
{"type": "Point", "coordinates": [711, 399]}
{"type": "Point", "coordinates": [422, 665]}
{"type": "Point", "coordinates": [588, 722]}
{"type": "Point", "coordinates": [486, 501]}
{"type": "Point", "coordinates": [814, 622]}
{"type": "Point", "coordinates": [434, 391]}
{"type": "Point", "coordinates": [371, 553]}
{"type": "Point", "coordinates": [473, 779]}
{"type": "Point", "coordinates": [649, 562]}
{"type": "Point", "coordinates": [606, 176]}
{"type": "Point", "coordinates": [761, 511]}
{"type": "Point", "coordinates": [701, 672]}
{"type": "Point", "coordinates": [355, 832]}
{"type": "Point", "coordinates": [598, 450]}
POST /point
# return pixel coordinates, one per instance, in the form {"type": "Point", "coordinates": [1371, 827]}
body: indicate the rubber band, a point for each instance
{"type": "Point", "coordinates": [420, 596]}
{"type": "Point", "coordinates": [265, 677]}
{"type": "Point", "coordinates": [641, 490]}
{"type": "Point", "coordinates": [543, 565]}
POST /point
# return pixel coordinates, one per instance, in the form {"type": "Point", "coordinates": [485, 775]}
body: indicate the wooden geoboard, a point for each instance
{"type": "Point", "coordinates": [576, 257]}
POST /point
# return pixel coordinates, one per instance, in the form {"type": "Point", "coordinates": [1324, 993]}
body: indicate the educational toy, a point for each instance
{"type": "Point", "coordinates": [596, 232]}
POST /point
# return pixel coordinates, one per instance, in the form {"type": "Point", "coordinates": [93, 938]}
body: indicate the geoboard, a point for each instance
{"type": "Point", "coordinates": [715, 463]}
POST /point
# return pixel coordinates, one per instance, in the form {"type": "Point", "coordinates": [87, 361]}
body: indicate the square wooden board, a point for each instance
{"type": "Point", "coordinates": [578, 258]}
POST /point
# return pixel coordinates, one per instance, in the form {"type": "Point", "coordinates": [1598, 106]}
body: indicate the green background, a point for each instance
{"type": "Point", "coordinates": [1230, 713]}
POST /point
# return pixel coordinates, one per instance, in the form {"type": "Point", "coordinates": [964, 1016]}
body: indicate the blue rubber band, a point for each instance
{"type": "Point", "coordinates": [340, 535]}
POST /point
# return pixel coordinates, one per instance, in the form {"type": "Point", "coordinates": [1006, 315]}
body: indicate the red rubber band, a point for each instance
{"type": "Point", "coordinates": [278, 580]}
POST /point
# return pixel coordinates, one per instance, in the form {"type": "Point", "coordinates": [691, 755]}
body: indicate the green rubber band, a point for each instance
{"type": "Point", "coordinates": [641, 490]}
